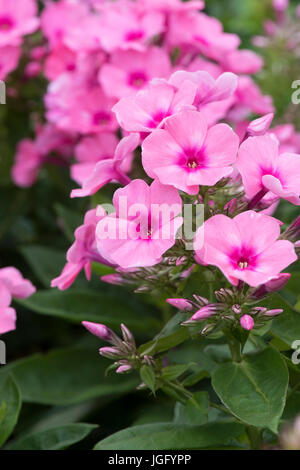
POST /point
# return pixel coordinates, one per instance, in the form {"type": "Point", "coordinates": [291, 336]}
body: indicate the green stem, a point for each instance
{"type": "Point", "coordinates": [234, 346]}
{"type": "Point", "coordinates": [254, 435]}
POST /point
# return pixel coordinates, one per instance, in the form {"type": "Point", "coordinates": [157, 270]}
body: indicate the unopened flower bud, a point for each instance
{"type": "Point", "coordinates": [231, 206]}
{"type": "Point", "coordinates": [273, 313]}
{"type": "Point", "coordinates": [292, 233]}
{"type": "Point", "coordinates": [127, 335]}
{"type": "Point", "coordinates": [202, 301]}
{"type": "Point", "coordinates": [181, 304]}
{"type": "Point", "coordinates": [236, 309]}
{"type": "Point", "coordinates": [123, 369]}
{"type": "Point", "coordinates": [247, 322]}
{"type": "Point", "coordinates": [101, 331]}
{"type": "Point", "coordinates": [114, 279]}
{"type": "Point", "coordinates": [261, 125]}
{"type": "Point", "coordinates": [110, 353]}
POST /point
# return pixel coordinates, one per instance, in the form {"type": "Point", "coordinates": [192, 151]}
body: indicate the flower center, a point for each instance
{"type": "Point", "coordinates": [6, 24]}
{"type": "Point", "coordinates": [192, 159]}
{"type": "Point", "coordinates": [101, 118]}
{"type": "Point", "coordinates": [134, 35]}
{"type": "Point", "coordinates": [138, 79]}
{"type": "Point", "coordinates": [243, 264]}
{"type": "Point", "coordinates": [192, 164]}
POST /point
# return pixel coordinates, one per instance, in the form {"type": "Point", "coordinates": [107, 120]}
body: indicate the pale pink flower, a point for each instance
{"type": "Point", "coordinates": [150, 107]}
{"type": "Point", "coordinates": [12, 284]}
{"type": "Point", "coordinates": [27, 164]}
{"type": "Point", "coordinates": [130, 71]}
{"type": "Point", "coordinates": [108, 170]}
{"type": "Point", "coordinates": [91, 150]}
{"type": "Point", "coordinates": [263, 169]}
{"type": "Point", "coordinates": [250, 99]}
{"type": "Point", "coordinates": [260, 126]}
{"type": "Point", "coordinates": [83, 251]}
{"type": "Point", "coordinates": [208, 89]}
{"type": "Point", "coordinates": [123, 26]}
{"type": "Point", "coordinates": [71, 24]}
{"type": "Point", "coordinates": [288, 138]}
{"type": "Point", "coordinates": [73, 107]}
{"type": "Point", "coordinates": [144, 226]}
{"type": "Point", "coordinates": [242, 62]}
{"type": "Point", "coordinates": [187, 154]}
{"type": "Point", "coordinates": [169, 6]}
{"type": "Point", "coordinates": [193, 30]}
{"type": "Point", "coordinates": [60, 60]}
{"type": "Point", "coordinates": [9, 59]}
{"type": "Point", "coordinates": [245, 248]}
{"type": "Point", "coordinates": [17, 18]}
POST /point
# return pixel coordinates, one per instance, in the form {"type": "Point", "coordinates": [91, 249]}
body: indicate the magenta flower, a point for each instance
{"type": "Point", "coordinates": [12, 284]}
{"type": "Point", "coordinates": [17, 18]}
{"type": "Point", "coordinates": [187, 154]}
{"type": "Point", "coordinates": [150, 107]}
{"type": "Point", "coordinates": [143, 227]}
{"type": "Point", "coordinates": [75, 107]}
{"type": "Point", "coordinates": [245, 248]}
{"type": "Point", "coordinates": [208, 89]}
{"type": "Point", "coordinates": [9, 59]}
{"type": "Point", "coordinates": [123, 26]}
{"type": "Point", "coordinates": [130, 71]}
{"type": "Point", "coordinates": [90, 151]}
{"type": "Point", "coordinates": [27, 164]}
{"type": "Point", "coordinates": [82, 252]}
{"type": "Point", "coordinates": [263, 169]}
{"type": "Point", "coordinates": [108, 170]}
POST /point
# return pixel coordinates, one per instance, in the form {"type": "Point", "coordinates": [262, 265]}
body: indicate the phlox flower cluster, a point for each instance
{"type": "Point", "coordinates": [158, 89]}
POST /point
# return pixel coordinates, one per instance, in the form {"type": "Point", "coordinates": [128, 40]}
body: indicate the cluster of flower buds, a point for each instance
{"type": "Point", "coordinates": [122, 350]}
{"type": "Point", "coordinates": [231, 307]}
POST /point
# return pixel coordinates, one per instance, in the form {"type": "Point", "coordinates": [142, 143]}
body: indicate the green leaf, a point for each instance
{"type": "Point", "coordinates": [287, 325]}
{"type": "Point", "coordinates": [10, 405]}
{"type": "Point", "coordinates": [58, 438]}
{"type": "Point", "coordinates": [171, 436]}
{"type": "Point", "coordinates": [77, 305]}
{"type": "Point", "coordinates": [195, 411]}
{"type": "Point", "coordinates": [254, 390]}
{"type": "Point", "coordinates": [172, 372]}
{"type": "Point", "coordinates": [45, 262]}
{"type": "Point", "coordinates": [148, 377]}
{"type": "Point", "coordinates": [67, 376]}
{"type": "Point", "coordinates": [171, 335]}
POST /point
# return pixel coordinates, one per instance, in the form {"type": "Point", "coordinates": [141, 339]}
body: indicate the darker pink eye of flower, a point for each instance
{"type": "Point", "coordinates": [134, 35]}
{"type": "Point", "coordinates": [243, 258]}
{"type": "Point", "coordinates": [138, 79]}
{"type": "Point", "coordinates": [101, 118]}
{"type": "Point", "coordinates": [202, 40]}
{"type": "Point", "coordinates": [193, 159]}
{"type": "Point", "coordinates": [6, 23]}
{"type": "Point", "coordinates": [157, 118]}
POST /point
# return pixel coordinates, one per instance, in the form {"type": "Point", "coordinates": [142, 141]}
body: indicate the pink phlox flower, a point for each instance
{"type": "Point", "coordinates": [76, 108]}
{"type": "Point", "coordinates": [208, 89]}
{"type": "Point", "coordinates": [263, 169]}
{"type": "Point", "coordinates": [143, 227]}
{"type": "Point", "coordinates": [9, 59]}
{"type": "Point", "coordinates": [83, 251]}
{"type": "Point", "coordinates": [124, 26]}
{"type": "Point", "coordinates": [12, 284]}
{"type": "Point", "coordinates": [17, 18]}
{"type": "Point", "coordinates": [186, 153]}
{"type": "Point", "coordinates": [245, 248]}
{"type": "Point", "coordinates": [108, 170]}
{"type": "Point", "coordinates": [131, 71]}
{"type": "Point", "coordinates": [150, 107]}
